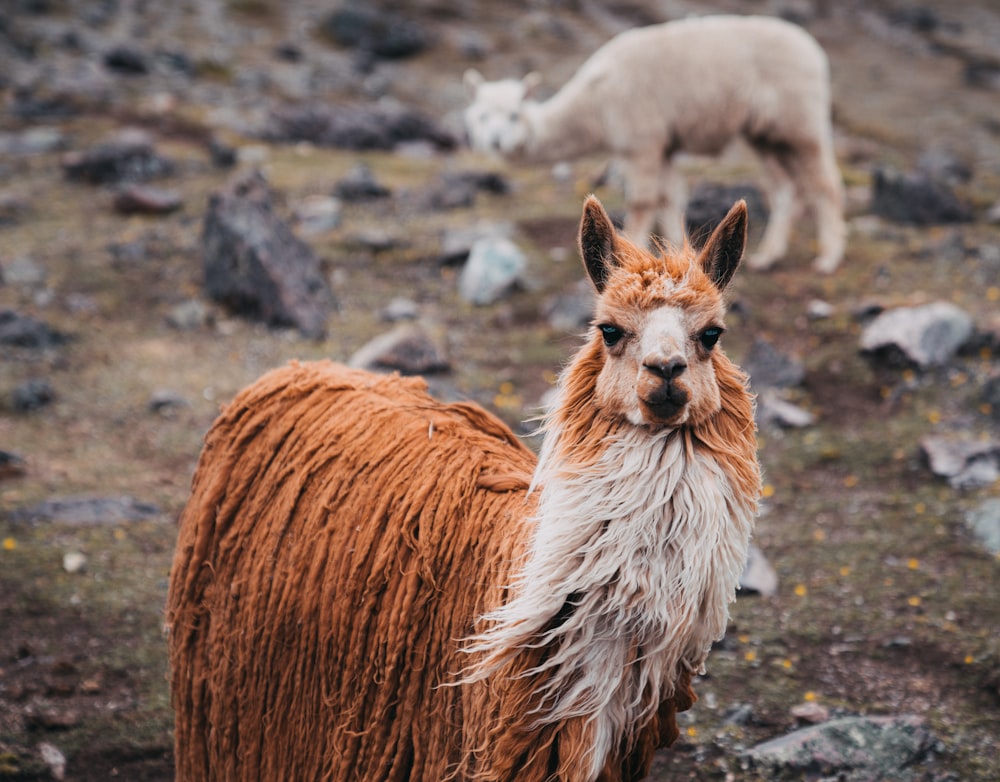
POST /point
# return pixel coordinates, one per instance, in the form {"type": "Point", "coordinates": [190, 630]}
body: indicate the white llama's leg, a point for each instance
{"type": "Point", "coordinates": [641, 196]}
{"type": "Point", "coordinates": [780, 190]}
{"type": "Point", "coordinates": [672, 203]}
{"type": "Point", "coordinates": [827, 198]}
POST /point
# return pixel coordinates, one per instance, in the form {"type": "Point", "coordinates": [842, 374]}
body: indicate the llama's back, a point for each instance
{"type": "Point", "coordinates": [700, 81]}
{"type": "Point", "coordinates": [330, 512]}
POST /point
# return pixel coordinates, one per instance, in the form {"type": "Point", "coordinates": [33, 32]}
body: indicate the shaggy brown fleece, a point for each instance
{"type": "Point", "coordinates": [308, 635]}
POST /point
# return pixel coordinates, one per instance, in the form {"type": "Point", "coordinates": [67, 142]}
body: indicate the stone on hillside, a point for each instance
{"type": "Point", "coordinates": [456, 244]}
{"type": "Point", "coordinates": [571, 310]}
{"type": "Point", "coordinates": [773, 410]}
{"type": "Point", "coordinates": [927, 335]}
{"type": "Point", "coordinates": [26, 332]}
{"type": "Point", "coordinates": [144, 199]}
{"type": "Point", "coordinates": [383, 125]}
{"type": "Point", "coordinates": [916, 199]}
{"type": "Point", "coordinates": [256, 266]}
{"type": "Point", "coordinates": [126, 59]}
{"type": "Point", "coordinates": [317, 214]}
{"type": "Point", "coordinates": [853, 749]}
{"type": "Point", "coordinates": [990, 395]}
{"type": "Point", "coordinates": [759, 576]}
{"type": "Point", "coordinates": [965, 462]}
{"type": "Point", "coordinates": [409, 348]}
{"type": "Point", "coordinates": [126, 156]}
{"type": "Point", "coordinates": [24, 271]}
{"type": "Point", "coordinates": [710, 202]}
{"type": "Point", "coordinates": [494, 267]}
{"type": "Point", "coordinates": [458, 189]}
{"type": "Point", "coordinates": [360, 185]}
{"type": "Point", "coordinates": [32, 395]}
{"type": "Point", "coordinates": [768, 367]}
{"type": "Point", "coordinates": [385, 34]}
{"type": "Point", "coordinates": [87, 510]}
{"type": "Point", "coordinates": [984, 522]}
{"type": "Point", "coordinates": [11, 465]}
{"type": "Point", "coordinates": [399, 308]}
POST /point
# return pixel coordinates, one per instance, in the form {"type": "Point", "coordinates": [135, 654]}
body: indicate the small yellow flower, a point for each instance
{"type": "Point", "coordinates": [786, 664]}
{"type": "Point", "coordinates": [692, 731]}
{"type": "Point", "coordinates": [986, 408]}
{"type": "Point", "coordinates": [819, 535]}
{"type": "Point", "coordinates": [9, 544]}
{"type": "Point", "coordinates": [750, 656]}
{"type": "Point", "coordinates": [919, 508]}
{"type": "Point", "coordinates": [885, 392]}
{"type": "Point", "coordinates": [934, 416]}
{"type": "Point", "coordinates": [845, 571]}
{"type": "Point", "coordinates": [801, 590]}
{"type": "Point", "coordinates": [913, 563]}
{"type": "Point", "coordinates": [959, 379]}
{"type": "Point", "coordinates": [969, 659]}
{"type": "Point", "coordinates": [909, 375]}
{"type": "Point", "coordinates": [767, 491]}
{"type": "Point", "coordinates": [744, 639]}
{"type": "Point", "coordinates": [993, 293]}
{"type": "Point", "coordinates": [914, 601]}
{"type": "Point", "coordinates": [851, 481]}
{"type": "Point", "coordinates": [809, 697]}
{"type": "Point", "coordinates": [506, 388]}
{"type": "Point", "coordinates": [120, 534]}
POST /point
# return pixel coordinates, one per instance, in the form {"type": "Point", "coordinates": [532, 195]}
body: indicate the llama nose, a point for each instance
{"type": "Point", "coordinates": [669, 369]}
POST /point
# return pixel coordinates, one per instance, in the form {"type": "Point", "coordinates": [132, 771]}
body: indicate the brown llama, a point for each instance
{"type": "Point", "coordinates": [372, 585]}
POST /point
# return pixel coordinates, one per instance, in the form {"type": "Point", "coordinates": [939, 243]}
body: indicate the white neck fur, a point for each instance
{"type": "Point", "coordinates": [648, 545]}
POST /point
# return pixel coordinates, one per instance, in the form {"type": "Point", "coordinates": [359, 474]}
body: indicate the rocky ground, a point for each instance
{"type": "Point", "coordinates": [867, 645]}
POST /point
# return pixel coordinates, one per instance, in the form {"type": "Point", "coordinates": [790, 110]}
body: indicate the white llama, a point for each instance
{"type": "Point", "coordinates": [690, 86]}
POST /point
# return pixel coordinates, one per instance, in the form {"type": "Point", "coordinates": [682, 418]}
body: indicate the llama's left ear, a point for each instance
{"type": "Point", "coordinates": [597, 242]}
{"type": "Point", "coordinates": [724, 249]}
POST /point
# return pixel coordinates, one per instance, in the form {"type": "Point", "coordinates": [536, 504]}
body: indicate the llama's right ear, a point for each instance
{"type": "Point", "coordinates": [597, 242]}
{"type": "Point", "coordinates": [472, 79]}
{"type": "Point", "coordinates": [724, 249]}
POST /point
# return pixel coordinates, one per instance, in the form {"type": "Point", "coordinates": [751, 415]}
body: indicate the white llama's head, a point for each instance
{"type": "Point", "coordinates": [657, 321]}
{"type": "Point", "coordinates": [495, 120]}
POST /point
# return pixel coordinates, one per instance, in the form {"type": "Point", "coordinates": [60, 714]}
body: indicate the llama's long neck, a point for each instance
{"type": "Point", "coordinates": [563, 127]}
{"type": "Point", "coordinates": [638, 544]}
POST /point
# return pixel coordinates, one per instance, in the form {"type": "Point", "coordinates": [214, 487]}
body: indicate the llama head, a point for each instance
{"type": "Point", "coordinates": [495, 120]}
{"type": "Point", "coordinates": [657, 320]}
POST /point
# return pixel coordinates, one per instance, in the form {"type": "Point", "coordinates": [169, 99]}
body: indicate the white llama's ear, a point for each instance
{"type": "Point", "coordinates": [597, 242]}
{"type": "Point", "coordinates": [724, 249]}
{"type": "Point", "coordinates": [531, 82]}
{"type": "Point", "coordinates": [472, 79]}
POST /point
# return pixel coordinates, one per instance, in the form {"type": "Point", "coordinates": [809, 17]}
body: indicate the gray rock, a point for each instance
{"type": "Point", "coordinates": [710, 202]}
{"type": "Point", "coordinates": [165, 400]}
{"type": "Point", "coordinates": [127, 156]}
{"type": "Point", "coordinates": [916, 199]}
{"type": "Point", "coordinates": [27, 332]}
{"type": "Point", "coordinates": [410, 348]}
{"type": "Point", "coordinates": [400, 308]}
{"type": "Point", "coordinates": [381, 33]}
{"type": "Point", "coordinates": [86, 510]}
{"type": "Point", "coordinates": [853, 749]}
{"type": "Point", "coordinates": [33, 141]}
{"type": "Point", "coordinates": [927, 335]}
{"type": "Point", "coordinates": [772, 410]}
{"type": "Point", "coordinates": [383, 125]}
{"type": "Point", "coordinates": [494, 267]}
{"type": "Point", "coordinates": [758, 577]}
{"type": "Point", "coordinates": [32, 395]}
{"type": "Point", "coordinates": [317, 214]}
{"type": "Point", "coordinates": [456, 243]}
{"type": "Point", "coordinates": [143, 199]}
{"type": "Point", "coordinates": [573, 309]}
{"type": "Point", "coordinates": [189, 315]}
{"type": "Point", "coordinates": [360, 185]}
{"type": "Point", "coordinates": [990, 395]}
{"type": "Point", "coordinates": [25, 271]}
{"type": "Point", "coordinates": [966, 463]}
{"type": "Point", "coordinates": [984, 521]}
{"type": "Point", "coordinates": [256, 266]}
{"type": "Point", "coordinates": [770, 368]}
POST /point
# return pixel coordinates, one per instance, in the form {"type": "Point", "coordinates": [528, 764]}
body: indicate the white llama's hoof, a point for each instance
{"type": "Point", "coordinates": [826, 264]}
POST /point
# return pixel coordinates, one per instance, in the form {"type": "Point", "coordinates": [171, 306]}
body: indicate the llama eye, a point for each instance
{"type": "Point", "coordinates": [612, 334]}
{"type": "Point", "coordinates": [710, 336]}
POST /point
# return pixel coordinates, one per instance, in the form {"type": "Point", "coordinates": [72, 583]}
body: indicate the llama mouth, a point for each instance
{"type": "Point", "coordinates": [666, 403]}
